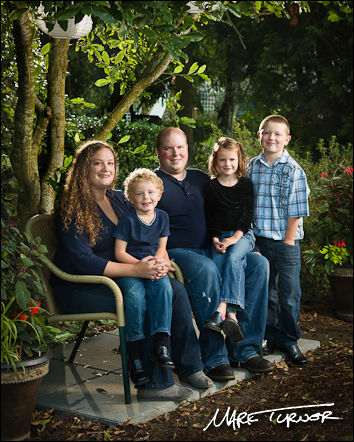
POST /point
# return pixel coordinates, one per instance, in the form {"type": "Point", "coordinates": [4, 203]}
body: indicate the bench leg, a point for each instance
{"type": "Point", "coordinates": [123, 354]}
{"type": "Point", "coordinates": [78, 341]}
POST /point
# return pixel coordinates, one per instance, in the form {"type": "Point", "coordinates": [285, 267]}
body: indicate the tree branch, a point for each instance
{"type": "Point", "coordinates": [146, 80]}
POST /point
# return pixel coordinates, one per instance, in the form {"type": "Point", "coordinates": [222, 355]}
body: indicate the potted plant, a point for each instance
{"type": "Point", "coordinates": [25, 336]}
{"type": "Point", "coordinates": [330, 248]}
{"type": "Point", "coordinates": [333, 207]}
{"type": "Point", "coordinates": [64, 19]}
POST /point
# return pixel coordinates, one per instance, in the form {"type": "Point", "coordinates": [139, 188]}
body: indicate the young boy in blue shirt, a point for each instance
{"type": "Point", "coordinates": [143, 231]}
{"type": "Point", "coordinates": [282, 192]}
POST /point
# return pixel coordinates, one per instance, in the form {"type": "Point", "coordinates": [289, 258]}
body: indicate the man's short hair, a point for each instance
{"type": "Point", "coordinates": [165, 132]}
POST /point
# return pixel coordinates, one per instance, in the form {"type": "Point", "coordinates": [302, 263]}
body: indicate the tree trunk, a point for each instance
{"type": "Point", "coordinates": [187, 102]}
{"type": "Point", "coordinates": [23, 158]}
{"type": "Point", "coordinates": [227, 111]}
{"type": "Point", "coordinates": [58, 64]}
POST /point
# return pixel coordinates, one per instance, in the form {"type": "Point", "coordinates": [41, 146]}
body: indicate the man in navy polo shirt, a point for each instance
{"type": "Point", "coordinates": [189, 246]}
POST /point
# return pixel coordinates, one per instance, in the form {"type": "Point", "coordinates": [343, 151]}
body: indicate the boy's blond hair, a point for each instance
{"type": "Point", "coordinates": [138, 176]}
{"type": "Point", "coordinates": [276, 119]}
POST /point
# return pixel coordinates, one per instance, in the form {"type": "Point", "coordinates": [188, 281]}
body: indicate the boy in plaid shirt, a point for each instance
{"type": "Point", "coordinates": [282, 192]}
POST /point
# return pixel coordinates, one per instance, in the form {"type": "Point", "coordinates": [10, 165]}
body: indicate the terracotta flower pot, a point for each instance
{"type": "Point", "coordinates": [341, 283]}
{"type": "Point", "coordinates": [18, 397]}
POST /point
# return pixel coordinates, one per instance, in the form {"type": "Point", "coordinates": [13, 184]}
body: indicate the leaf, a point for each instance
{"type": "Point", "coordinates": [102, 82]}
{"type": "Point", "coordinates": [140, 149]}
{"type": "Point", "coordinates": [45, 49]}
{"type": "Point", "coordinates": [27, 262]}
{"type": "Point", "coordinates": [68, 160]}
{"type": "Point", "coordinates": [119, 56]}
{"type": "Point", "coordinates": [193, 68]}
{"type": "Point", "coordinates": [201, 69]}
{"type": "Point", "coordinates": [195, 36]}
{"type": "Point", "coordinates": [178, 69]}
{"type": "Point", "coordinates": [23, 296]}
{"type": "Point", "coordinates": [205, 77]}
{"type": "Point", "coordinates": [188, 121]}
{"type": "Point", "coordinates": [189, 78]}
{"type": "Point", "coordinates": [124, 139]}
{"type": "Point", "coordinates": [105, 57]}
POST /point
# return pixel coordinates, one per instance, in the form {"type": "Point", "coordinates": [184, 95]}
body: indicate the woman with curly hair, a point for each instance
{"type": "Point", "coordinates": [89, 212]}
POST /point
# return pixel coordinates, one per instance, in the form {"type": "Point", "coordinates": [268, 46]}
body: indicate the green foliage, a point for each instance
{"type": "Point", "coordinates": [331, 205]}
{"type": "Point", "coordinates": [139, 151]}
{"type": "Point", "coordinates": [24, 332]}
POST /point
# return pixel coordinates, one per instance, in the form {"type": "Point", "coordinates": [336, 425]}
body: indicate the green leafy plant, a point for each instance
{"type": "Point", "coordinates": [330, 178]}
{"type": "Point", "coordinates": [24, 332]}
{"type": "Point", "coordinates": [331, 256]}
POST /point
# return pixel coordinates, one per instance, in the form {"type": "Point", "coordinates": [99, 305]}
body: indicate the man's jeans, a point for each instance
{"type": "Point", "coordinates": [284, 291]}
{"type": "Point", "coordinates": [141, 296]}
{"type": "Point", "coordinates": [231, 266]}
{"type": "Point", "coordinates": [202, 280]}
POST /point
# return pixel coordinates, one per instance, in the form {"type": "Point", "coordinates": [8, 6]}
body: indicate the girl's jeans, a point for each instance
{"type": "Point", "coordinates": [231, 266]}
{"type": "Point", "coordinates": [141, 296]}
{"type": "Point", "coordinates": [284, 291]}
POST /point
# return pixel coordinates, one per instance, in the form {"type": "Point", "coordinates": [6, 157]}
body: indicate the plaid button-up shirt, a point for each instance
{"type": "Point", "coordinates": [281, 192]}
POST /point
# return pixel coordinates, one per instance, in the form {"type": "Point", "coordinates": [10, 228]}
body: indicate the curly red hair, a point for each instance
{"type": "Point", "coordinates": [78, 203]}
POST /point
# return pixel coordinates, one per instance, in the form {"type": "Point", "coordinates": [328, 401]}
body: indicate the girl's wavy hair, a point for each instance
{"type": "Point", "coordinates": [227, 144]}
{"type": "Point", "coordinates": [78, 202]}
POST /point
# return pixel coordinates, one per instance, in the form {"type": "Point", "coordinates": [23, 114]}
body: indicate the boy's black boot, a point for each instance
{"type": "Point", "coordinates": [137, 374]}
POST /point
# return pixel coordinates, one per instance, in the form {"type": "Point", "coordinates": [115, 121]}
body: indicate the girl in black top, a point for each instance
{"type": "Point", "coordinates": [229, 203]}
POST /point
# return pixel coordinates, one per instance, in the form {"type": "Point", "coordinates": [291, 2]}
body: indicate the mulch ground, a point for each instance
{"type": "Point", "coordinates": [323, 389]}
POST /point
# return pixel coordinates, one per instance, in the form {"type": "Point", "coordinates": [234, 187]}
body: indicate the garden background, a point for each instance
{"type": "Point", "coordinates": [219, 67]}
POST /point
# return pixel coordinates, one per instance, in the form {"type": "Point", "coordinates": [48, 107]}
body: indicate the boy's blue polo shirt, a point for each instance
{"type": "Point", "coordinates": [142, 239]}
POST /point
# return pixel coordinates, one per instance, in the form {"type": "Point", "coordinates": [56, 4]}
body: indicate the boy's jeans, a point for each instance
{"type": "Point", "coordinates": [141, 296]}
{"type": "Point", "coordinates": [231, 266]}
{"type": "Point", "coordinates": [284, 291]}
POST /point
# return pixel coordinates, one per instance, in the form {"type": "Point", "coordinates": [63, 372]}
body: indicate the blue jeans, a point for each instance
{"type": "Point", "coordinates": [284, 291]}
{"type": "Point", "coordinates": [202, 280]}
{"type": "Point", "coordinates": [185, 350]}
{"type": "Point", "coordinates": [141, 296]}
{"type": "Point", "coordinates": [231, 266]}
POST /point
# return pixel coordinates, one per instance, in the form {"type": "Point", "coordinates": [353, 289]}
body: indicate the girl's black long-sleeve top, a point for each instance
{"type": "Point", "coordinates": [229, 208]}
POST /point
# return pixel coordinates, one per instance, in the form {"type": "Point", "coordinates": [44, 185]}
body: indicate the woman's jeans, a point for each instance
{"type": "Point", "coordinates": [143, 296]}
{"type": "Point", "coordinates": [284, 291]}
{"type": "Point", "coordinates": [185, 350]}
{"type": "Point", "coordinates": [231, 266]}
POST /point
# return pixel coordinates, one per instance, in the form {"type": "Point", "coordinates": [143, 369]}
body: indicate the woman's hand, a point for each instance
{"type": "Point", "coordinates": [148, 268]}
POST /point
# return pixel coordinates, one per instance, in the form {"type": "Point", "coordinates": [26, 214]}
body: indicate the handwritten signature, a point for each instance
{"type": "Point", "coordinates": [280, 415]}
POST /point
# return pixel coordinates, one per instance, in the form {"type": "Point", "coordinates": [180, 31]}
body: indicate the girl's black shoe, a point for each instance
{"type": "Point", "coordinates": [214, 322]}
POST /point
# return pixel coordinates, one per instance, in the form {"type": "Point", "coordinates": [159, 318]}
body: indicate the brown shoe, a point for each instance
{"type": "Point", "coordinates": [232, 329]}
{"type": "Point", "coordinates": [256, 364]}
{"type": "Point", "coordinates": [221, 373]}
